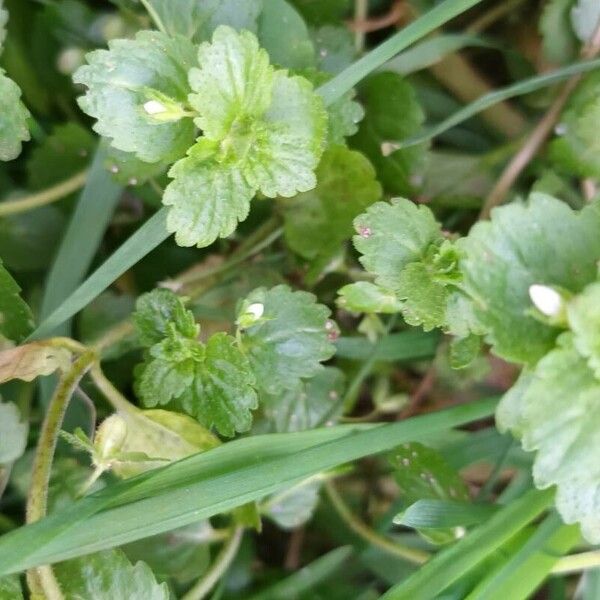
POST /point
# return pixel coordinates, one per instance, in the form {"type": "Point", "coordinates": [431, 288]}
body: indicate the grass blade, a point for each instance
{"type": "Point", "coordinates": [444, 513]}
{"type": "Point", "coordinates": [210, 483]}
{"type": "Point", "coordinates": [518, 89]}
{"type": "Point", "coordinates": [408, 345]}
{"type": "Point", "coordinates": [83, 236]}
{"type": "Point", "coordinates": [145, 239]}
{"type": "Point", "coordinates": [306, 578]}
{"type": "Point", "coordinates": [524, 572]}
{"type": "Point", "coordinates": [436, 17]}
{"type": "Point", "coordinates": [451, 564]}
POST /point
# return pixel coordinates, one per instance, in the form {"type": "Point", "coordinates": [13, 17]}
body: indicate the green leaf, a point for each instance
{"type": "Point", "coordinates": [206, 200]}
{"type": "Point", "coordinates": [109, 576]}
{"type": "Point", "coordinates": [127, 86]}
{"type": "Point", "coordinates": [63, 153]}
{"type": "Point", "coordinates": [583, 313]}
{"type": "Point", "coordinates": [334, 48]}
{"type": "Point", "coordinates": [434, 514]}
{"type": "Point", "coordinates": [295, 506]}
{"type": "Point", "coordinates": [314, 402]}
{"type": "Point", "coordinates": [464, 350]}
{"type": "Point", "coordinates": [424, 298]}
{"type": "Point", "coordinates": [284, 35]}
{"type": "Point", "coordinates": [392, 113]}
{"type": "Point", "coordinates": [197, 19]}
{"type": "Point", "coordinates": [405, 346]}
{"type": "Point", "coordinates": [263, 131]}
{"type": "Point", "coordinates": [127, 169]}
{"type": "Point", "coordinates": [422, 473]}
{"type": "Point", "coordinates": [554, 411]}
{"type": "Point", "coordinates": [3, 22]}
{"type": "Point", "coordinates": [318, 222]}
{"type": "Point", "coordinates": [290, 340]}
{"type": "Point", "coordinates": [392, 235]}
{"type": "Point", "coordinates": [367, 297]}
{"type": "Point", "coordinates": [13, 119]}
{"type": "Point", "coordinates": [585, 17]}
{"type": "Point", "coordinates": [16, 319]}
{"type": "Point", "coordinates": [10, 587]}
{"type": "Point", "coordinates": [575, 149]}
{"type": "Point", "coordinates": [517, 249]}
{"type": "Point", "coordinates": [13, 434]}
{"type": "Point", "coordinates": [559, 42]}
{"type": "Point", "coordinates": [156, 311]}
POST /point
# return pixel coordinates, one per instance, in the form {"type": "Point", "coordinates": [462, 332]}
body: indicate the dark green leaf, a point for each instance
{"type": "Point", "coordinates": [16, 319]}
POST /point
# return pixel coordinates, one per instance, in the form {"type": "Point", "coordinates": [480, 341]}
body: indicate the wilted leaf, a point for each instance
{"type": "Point", "coordinates": [32, 360]}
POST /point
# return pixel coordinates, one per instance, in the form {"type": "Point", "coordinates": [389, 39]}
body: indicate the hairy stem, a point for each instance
{"type": "Point", "coordinates": [538, 136]}
{"type": "Point", "coordinates": [52, 194]}
{"type": "Point", "coordinates": [412, 555]}
{"type": "Point", "coordinates": [41, 580]}
{"type": "Point", "coordinates": [218, 568]}
{"type": "Point", "coordinates": [110, 392]}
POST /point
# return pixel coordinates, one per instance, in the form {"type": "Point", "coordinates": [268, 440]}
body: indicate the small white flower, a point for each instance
{"type": "Point", "coordinates": [256, 310]}
{"type": "Point", "coordinates": [154, 107]}
{"type": "Point", "coordinates": [546, 299]}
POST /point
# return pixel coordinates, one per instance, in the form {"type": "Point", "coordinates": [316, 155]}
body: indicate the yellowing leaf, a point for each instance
{"type": "Point", "coordinates": [32, 360]}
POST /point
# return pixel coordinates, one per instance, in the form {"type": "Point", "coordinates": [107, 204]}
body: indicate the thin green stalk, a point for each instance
{"type": "Point", "coordinates": [218, 568]}
{"type": "Point", "coordinates": [110, 392]}
{"type": "Point", "coordinates": [154, 15]}
{"type": "Point", "coordinates": [361, 11]}
{"type": "Point", "coordinates": [47, 196]}
{"type": "Point", "coordinates": [577, 562]}
{"type": "Point", "coordinates": [41, 580]}
{"type": "Point", "coordinates": [413, 555]}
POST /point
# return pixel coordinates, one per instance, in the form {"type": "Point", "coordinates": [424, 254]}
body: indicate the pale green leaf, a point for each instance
{"type": "Point", "coordinates": [16, 319]}
{"type": "Point", "coordinates": [123, 80]}
{"type": "Point", "coordinates": [584, 319]}
{"type": "Point", "coordinates": [222, 393]}
{"type": "Point", "coordinates": [344, 116]}
{"type": "Point", "coordinates": [284, 35]}
{"type": "Point", "coordinates": [32, 360]}
{"type": "Point", "coordinates": [127, 169]}
{"type": "Point", "coordinates": [424, 298]}
{"type": "Point", "coordinates": [367, 297]}
{"type": "Point", "coordinates": [109, 575]}
{"type": "Point", "coordinates": [290, 340]}
{"type": "Point", "coordinates": [13, 119]}
{"type": "Point", "coordinates": [392, 235]}
{"type": "Point", "coordinates": [197, 19]}
{"type": "Point", "coordinates": [318, 222]}
{"type": "Point", "coordinates": [13, 434]}
{"type": "Point", "coordinates": [464, 350]}
{"type": "Point", "coordinates": [156, 310]}
{"type": "Point", "coordinates": [423, 473]}
{"type": "Point", "coordinates": [334, 47]}
{"type": "Point", "coordinates": [392, 113]}
{"type": "Point", "coordinates": [313, 402]}
{"type": "Point", "coordinates": [585, 17]}
{"type": "Point", "coordinates": [233, 83]}
{"type": "Point", "coordinates": [206, 200]}
{"type": "Point", "coordinates": [555, 412]}
{"type": "Point", "coordinates": [10, 586]}
{"type": "Point", "coordinates": [516, 249]}
{"type": "Point", "coordinates": [295, 506]}
{"type": "Point", "coordinates": [558, 40]}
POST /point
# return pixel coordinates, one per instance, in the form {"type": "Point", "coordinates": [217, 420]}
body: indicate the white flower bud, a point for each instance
{"type": "Point", "coordinates": [154, 107]}
{"type": "Point", "coordinates": [256, 310]}
{"type": "Point", "coordinates": [546, 299]}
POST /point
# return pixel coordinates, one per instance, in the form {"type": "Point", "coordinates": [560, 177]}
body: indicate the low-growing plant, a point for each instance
{"type": "Point", "coordinates": [299, 299]}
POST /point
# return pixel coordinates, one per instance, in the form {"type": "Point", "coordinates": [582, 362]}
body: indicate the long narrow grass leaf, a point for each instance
{"type": "Point", "coordinates": [525, 86]}
{"type": "Point", "coordinates": [209, 483]}
{"type": "Point", "coordinates": [436, 17]}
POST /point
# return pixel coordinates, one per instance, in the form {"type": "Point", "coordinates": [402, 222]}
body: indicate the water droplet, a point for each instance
{"type": "Point", "coordinates": [405, 462]}
{"type": "Point", "coordinates": [114, 169]}
{"type": "Point", "coordinates": [133, 181]}
{"type": "Point", "coordinates": [323, 52]}
{"type": "Point", "coordinates": [333, 395]}
{"type": "Point", "coordinates": [561, 129]}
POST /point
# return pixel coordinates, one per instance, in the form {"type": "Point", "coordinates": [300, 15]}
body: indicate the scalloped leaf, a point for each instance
{"type": "Point", "coordinates": [583, 314]}
{"type": "Point", "coordinates": [554, 410]}
{"type": "Point", "coordinates": [13, 119]}
{"type": "Point", "coordinates": [516, 249]}
{"type": "Point", "coordinates": [318, 222]}
{"type": "Point", "coordinates": [290, 339]}
{"type": "Point", "coordinates": [129, 83]}
{"type": "Point", "coordinates": [109, 575]}
{"type": "Point", "coordinates": [197, 19]}
{"type": "Point", "coordinates": [16, 318]}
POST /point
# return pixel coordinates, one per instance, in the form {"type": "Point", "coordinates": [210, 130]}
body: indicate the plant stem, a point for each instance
{"type": "Point", "coordinates": [52, 194]}
{"type": "Point", "coordinates": [41, 580]}
{"type": "Point", "coordinates": [361, 11]}
{"type": "Point", "coordinates": [154, 16]}
{"type": "Point", "coordinates": [218, 568]}
{"type": "Point", "coordinates": [413, 555]}
{"type": "Point", "coordinates": [577, 562]}
{"type": "Point", "coordinates": [496, 13]}
{"type": "Point", "coordinates": [538, 136]}
{"type": "Point", "coordinates": [110, 392]}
